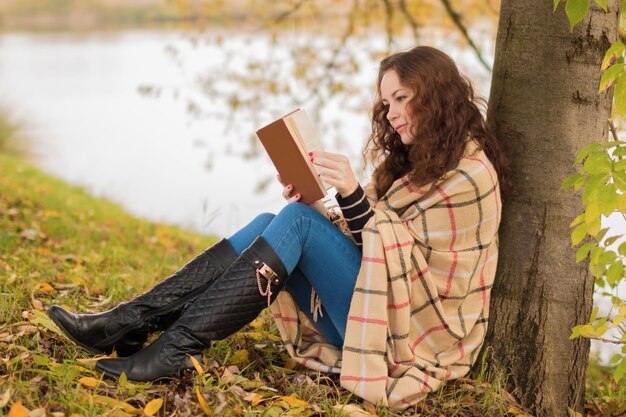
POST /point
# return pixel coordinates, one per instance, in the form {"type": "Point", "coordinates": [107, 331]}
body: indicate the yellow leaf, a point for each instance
{"type": "Point", "coordinates": [153, 406]}
{"type": "Point", "coordinates": [4, 398]}
{"type": "Point", "coordinates": [11, 279]}
{"type": "Point", "coordinates": [112, 402]}
{"type": "Point", "coordinates": [291, 363]}
{"type": "Point", "coordinates": [89, 381]}
{"type": "Point", "coordinates": [44, 287]}
{"type": "Point", "coordinates": [196, 365]}
{"type": "Point", "coordinates": [295, 402]}
{"type": "Point", "coordinates": [253, 398]}
{"type": "Point", "coordinates": [203, 405]}
{"type": "Point", "coordinates": [352, 410]}
{"type": "Point", "coordinates": [18, 410]}
{"type": "Point", "coordinates": [240, 356]}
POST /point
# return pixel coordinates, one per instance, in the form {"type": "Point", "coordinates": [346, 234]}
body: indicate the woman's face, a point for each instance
{"type": "Point", "coordinates": [396, 96]}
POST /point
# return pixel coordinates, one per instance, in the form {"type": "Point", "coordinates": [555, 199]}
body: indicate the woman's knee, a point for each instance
{"type": "Point", "coordinates": [297, 210]}
{"type": "Point", "coordinates": [263, 220]}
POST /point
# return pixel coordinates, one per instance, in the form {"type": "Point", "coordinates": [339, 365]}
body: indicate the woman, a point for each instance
{"type": "Point", "coordinates": [398, 307]}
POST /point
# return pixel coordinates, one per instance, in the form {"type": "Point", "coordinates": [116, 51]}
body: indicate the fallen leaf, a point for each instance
{"type": "Point", "coordinates": [153, 406]}
{"type": "Point", "coordinates": [112, 402]}
{"type": "Point", "coordinates": [30, 234]}
{"type": "Point", "coordinates": [18, 410]}
{"type": "Point", "coordinates": [44, 287]}
{"type": "Point", "coordinates": [352, 410]}
{"type": "Point", "coordinates": [4, 398]}
{"type": "Point", "coordinates": [291, 364]}
{"type": "Point", "coordinates": [202, 402]}
{"type": "Point", "coordinates": [295, 402]}
{"type": "Point", "coordinates": [227, 377]}
{"type": "Point", "coordinates": [196, 365]}
{"type": "Point", "coordinates": [11, 279]}
{"type": "Point", "coordinates": [6, 338]}
{"type": "Point", "coordinates": [40, 318]}
{"type": "Point", "coordinates": [89, 381]}
{"type": "Point", "coordinates": [253, 398]}
{"type": "Point", "coordinates": [240, 356]}
{"type": "Point", "coordinates": [37, 412]}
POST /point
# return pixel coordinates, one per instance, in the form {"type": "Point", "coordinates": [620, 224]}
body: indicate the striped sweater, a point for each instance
{"type": "Point", "coordinates": [356, 211]}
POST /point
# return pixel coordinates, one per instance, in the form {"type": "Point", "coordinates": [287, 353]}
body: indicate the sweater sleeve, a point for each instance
{"type": "Point", "coordinates": [356, 211]}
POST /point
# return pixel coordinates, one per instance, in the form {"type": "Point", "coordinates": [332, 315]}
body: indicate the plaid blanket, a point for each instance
{"type": "Point", "coordinates": [420, 306]}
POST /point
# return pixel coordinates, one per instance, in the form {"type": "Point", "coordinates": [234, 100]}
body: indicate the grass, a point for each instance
{"type": "Point", "coordinates": [59, 245]}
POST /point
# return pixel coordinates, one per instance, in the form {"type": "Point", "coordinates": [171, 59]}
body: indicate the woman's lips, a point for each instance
{"type": "Point", "coordinates": [400, 128]}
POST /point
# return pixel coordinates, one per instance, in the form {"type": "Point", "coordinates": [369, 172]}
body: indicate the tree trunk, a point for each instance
{"type": "Point", "coordinates": [544, 107]}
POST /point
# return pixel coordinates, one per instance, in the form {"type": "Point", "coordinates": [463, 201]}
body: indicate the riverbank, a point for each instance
{"type": "Point", "coordinates": [59, 245]}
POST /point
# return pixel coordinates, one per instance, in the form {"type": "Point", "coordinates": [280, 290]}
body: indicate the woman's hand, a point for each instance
{"type": "Point", "coordinates": [334, 169]}
{"type": "Point", "coordinates": [288, 189]}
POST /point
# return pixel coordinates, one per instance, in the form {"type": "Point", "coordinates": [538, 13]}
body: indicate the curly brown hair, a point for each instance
{"type": "Point", "coordinates": [446, 113]}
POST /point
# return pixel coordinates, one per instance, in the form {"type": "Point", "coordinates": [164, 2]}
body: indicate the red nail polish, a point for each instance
{"type": "Point", "coordinates": [310, 153]}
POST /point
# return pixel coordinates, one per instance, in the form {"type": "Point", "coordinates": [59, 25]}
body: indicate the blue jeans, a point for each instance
{"type": "Point", "coordinates": [316, 255]}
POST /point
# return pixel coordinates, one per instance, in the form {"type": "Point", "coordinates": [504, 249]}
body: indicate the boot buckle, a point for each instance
{"type": "Point", "coordinates": [270, 276]}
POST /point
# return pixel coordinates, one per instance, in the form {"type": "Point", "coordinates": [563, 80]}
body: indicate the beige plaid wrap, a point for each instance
{"type": "Point", "coordinates": [420, 306]}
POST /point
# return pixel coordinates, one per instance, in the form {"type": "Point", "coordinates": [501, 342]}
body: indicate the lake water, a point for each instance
{"type": "Point", "coordinates": [77, 95]}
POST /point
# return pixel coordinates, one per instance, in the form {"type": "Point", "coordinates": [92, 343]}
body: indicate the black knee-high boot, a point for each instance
{"type": "Point", "coordinates": [248, 286]}
{"type": "Point", "coordinates": [126, 327]}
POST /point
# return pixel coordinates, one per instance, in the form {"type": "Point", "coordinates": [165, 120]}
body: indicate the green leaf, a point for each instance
{"type": "Point", "coordinates": [622, 249]}
{"type": "Point", "coordinates": [578, 220]}
{"type": "Point", "coordinates": [614, 144]}
{"type": "Point", "coordinates": [584, 330]}
{"type": "Point", "coordinates": [610, 240]}
{"type": "Point", "coordinates": [615, 272]}
{"type": "Point", "coordinates": [620, 166]}
{"type": "Point", "coordinates": [595, 184]}
{"type": "Point", "coordinates": [621, 203]}
{"type": "Point", "coordinates": [619, 179]}
{"type": "Point", "coordinates": [579, 234]}
{"type": "Point", "coordinates": [584, 152]}
{"type": "Point", "coordinates": [603, 3]}
{"type": "Point", "coordinates": [607, 199]}
{"type": "Point", "coordinates": [619, 95]}
{"type": "Point", "coordinates": [555, 5]}
{"type": "Point", "coordinates": [601, 235]}
{"type": "Point", "coordinates": [598, 163]}
{"type": "Point", "coordinates": [620, 151]}
{"type": "Point", "coordinates": [571, 180]}
{"type": "Point", "coordinates": [620, 371]}
{"type": "Point", "coordinates": [592, 216]}
{"type": "Point", "coordinates": [576, 11]}
{"type": "Point", "coordinates": [596, 252]}
{"type": "Point", "coordinates": [607, 257]}
{"type": "Point", "coordinates": [583, 251]}
{"type": "Point", "coordinates": [610, 75]}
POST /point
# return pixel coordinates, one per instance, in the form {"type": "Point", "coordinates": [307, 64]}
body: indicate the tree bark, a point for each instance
{"type": "Point", "coordinates": [544, 107]}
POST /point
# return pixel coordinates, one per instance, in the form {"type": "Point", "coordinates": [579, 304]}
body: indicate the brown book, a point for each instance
{"type": "Point", "coordinates": [288, 142]}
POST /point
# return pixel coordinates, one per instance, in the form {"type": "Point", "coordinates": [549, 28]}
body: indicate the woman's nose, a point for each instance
{"type": "Point", "coordinates": [392, 114]}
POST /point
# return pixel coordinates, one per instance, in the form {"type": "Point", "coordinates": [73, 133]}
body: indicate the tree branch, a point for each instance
{"type": "Point", "coordinates": [613, 130]}
{"type": "Point", "coordinates": [456, 18]}
{"type": "Point", "coordinates": [604, 340]}
{"type": "Point", "coordinates": [284, 15]}
{"type": "Point", "coordinates": [409, 18]}
{"type": "Point", "coordinates": [388, 23]}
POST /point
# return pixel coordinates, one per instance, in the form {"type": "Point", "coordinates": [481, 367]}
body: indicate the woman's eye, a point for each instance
{"type": "Point", "coordinates": [400, 99]}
